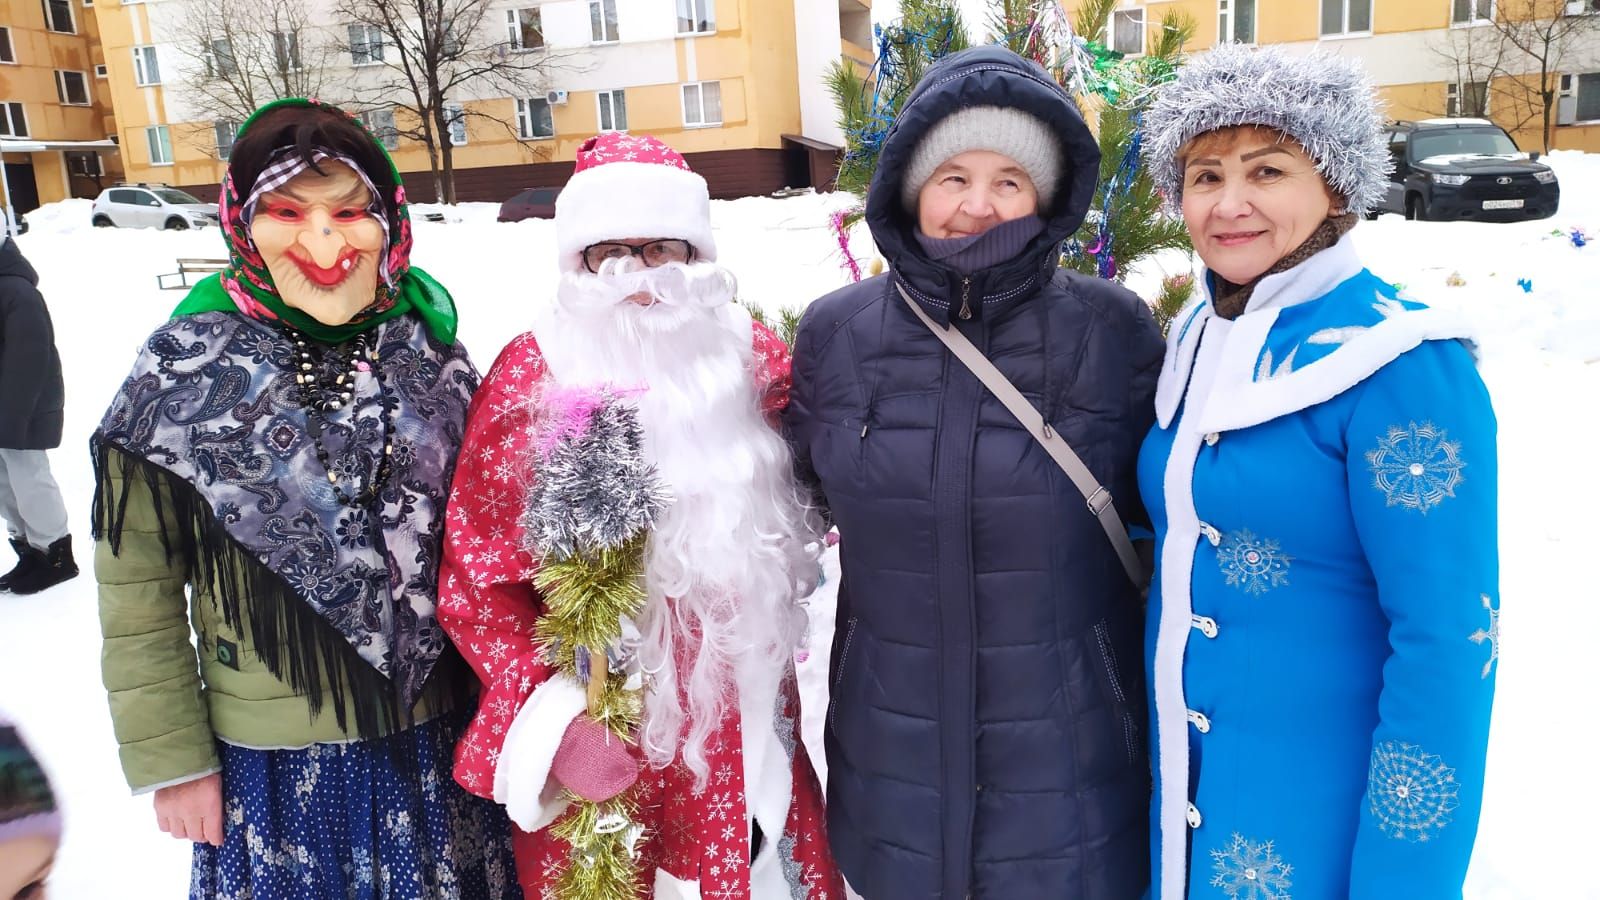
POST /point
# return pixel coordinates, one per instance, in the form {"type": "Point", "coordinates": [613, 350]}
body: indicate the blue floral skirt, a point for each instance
{"type": "Point", "coordinates": [369, 820]}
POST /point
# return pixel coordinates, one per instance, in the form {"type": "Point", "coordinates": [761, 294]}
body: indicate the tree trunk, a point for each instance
{"type": "Point", "coordinates": [447, 154]}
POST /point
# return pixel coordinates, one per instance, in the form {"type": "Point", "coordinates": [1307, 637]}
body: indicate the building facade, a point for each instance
{"type": "Point", "coordinates": [56, 115]}
{"type": "Point", "coordinates": [735, 85]}
{"type": "Point", "coordinates": [1430, 58]}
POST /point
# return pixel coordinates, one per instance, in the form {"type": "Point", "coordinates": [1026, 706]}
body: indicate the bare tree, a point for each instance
{"type": "Point", "coordinates": [439, 53]}
{"type": "Point", "coordinates": [245, 53]}
{"type": "Point", "coordinates": [1538, 38]}
{"type": "Point", "coordinates": [1475, 56]}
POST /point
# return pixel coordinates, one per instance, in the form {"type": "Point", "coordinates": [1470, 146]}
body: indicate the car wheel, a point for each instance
{"type": "Point", "coordinates": [104, 222]}
{"type": "Point", "coordinates": [177, 224]}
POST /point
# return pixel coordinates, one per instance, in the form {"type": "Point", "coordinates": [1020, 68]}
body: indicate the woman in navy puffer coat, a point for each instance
{"type": "Point", "coordinates": [985, 736]}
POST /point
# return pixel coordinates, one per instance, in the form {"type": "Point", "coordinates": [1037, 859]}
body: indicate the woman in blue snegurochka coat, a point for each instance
{"type": "Point", "coordinates": [1322, 633]}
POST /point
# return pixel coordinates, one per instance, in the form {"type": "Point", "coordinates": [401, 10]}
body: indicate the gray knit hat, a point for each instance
{"type": "Point", "coordinates": [999, 129]}
{"type": "Point", "coordinates": [1325, 103]}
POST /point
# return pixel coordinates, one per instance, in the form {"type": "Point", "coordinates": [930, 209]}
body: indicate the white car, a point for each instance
{"type": "Point", "coordinates": [151, 206]}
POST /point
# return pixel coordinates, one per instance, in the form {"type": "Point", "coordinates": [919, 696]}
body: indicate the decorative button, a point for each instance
{"type": "Point", "coordinates": [1212, 438]}
{"type": "Point", "coordinates": [1194, 817]}
{"type": "Point", "coordinates": [1199, 721]}
{"type": "Point", "coordinates": [1211, 533]}
{"type": "Point", "coordinates": [1206, 625]}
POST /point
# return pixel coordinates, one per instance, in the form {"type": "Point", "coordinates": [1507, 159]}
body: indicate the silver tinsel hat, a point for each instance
{"type": "Point", "coordinates": [1325, 103]}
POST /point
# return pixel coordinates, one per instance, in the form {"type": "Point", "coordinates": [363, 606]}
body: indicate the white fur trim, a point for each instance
{"type": "Point", "coordinates": [622, 200]}
{"type": "Point", "coordinates": [670, 888]}
{"type": "Point", "coordinates": [522, 781]}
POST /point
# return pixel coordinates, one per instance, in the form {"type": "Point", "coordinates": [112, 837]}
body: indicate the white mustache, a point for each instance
{"type": "Point", "coordinates": [699, 285]}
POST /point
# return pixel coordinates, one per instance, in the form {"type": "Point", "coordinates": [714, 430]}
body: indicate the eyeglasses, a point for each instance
{"type": "Point", "coordinates": [655, 253]}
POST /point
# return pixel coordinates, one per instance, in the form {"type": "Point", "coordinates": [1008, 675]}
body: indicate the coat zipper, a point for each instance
{"type": "Point", "coordinates": [838, 678]}
{"type": "Point", "coordinates": [966, 292]}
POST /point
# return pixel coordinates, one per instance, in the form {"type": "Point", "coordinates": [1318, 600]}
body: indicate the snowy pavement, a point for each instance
{"type": "Point", "coordinates": [1540, 356]}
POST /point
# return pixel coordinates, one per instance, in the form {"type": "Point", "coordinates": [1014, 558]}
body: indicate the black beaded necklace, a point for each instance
{"type": "Point", "coordinates": [319, 399]}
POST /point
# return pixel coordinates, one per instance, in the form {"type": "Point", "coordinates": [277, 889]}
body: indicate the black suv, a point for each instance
{"type": "Point", "coordinates": [1465, 169]}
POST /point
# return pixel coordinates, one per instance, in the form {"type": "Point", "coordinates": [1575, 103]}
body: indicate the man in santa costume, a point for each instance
{"type": "Point", "coordinates": [730, 805]}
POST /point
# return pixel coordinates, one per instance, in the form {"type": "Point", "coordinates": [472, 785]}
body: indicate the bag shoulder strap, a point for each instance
{"type": "Point", "coordinates": [1094, 493]}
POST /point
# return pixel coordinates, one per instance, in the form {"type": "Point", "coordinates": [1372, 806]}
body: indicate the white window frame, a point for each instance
{"type": "Point", "coordinates": [386, 132]}
{"type": "Point", "coordinates": [455, 119]}
{"type": "Point", "coordinates": [709, 10]}
{"type": "Point", "coordinates": [1453, 93]}
{"type": "Point", "coordinates": [213, 67]}
{"type": "Point", "coordinates": [88, 2]}
{"type": "Point", "coordinates": [373, 49]}
{"type": "Point", "coordinates": [605, 102]}
{"type": "Point", "coordinates": [294, 63]}
{"type": "Point", "coordinates": [72, 18]}
{"type": "Point", "coordinates": [12, 111]}
{"type": "Point", "coordinates": [1227, 13]}
{"type": "Point", "coordinates": [1144, 30]}
{"type": "Point", "coordinates": [1345, 31]}
{"type": "Point", "coordinates": [514, 26]}
{"type": "Point", "coordinates": [1474, 19]}
{"type": "Point", "coordinates": [698, 107]}
{"type": "Point", "coordinates": [616, 27]}
{"type": "Point", "coordinates": [223, 153]}
{"type": "Point", "coordinates": [11, 48]}
{"type": "Point", "coordinates": [158, 140]}
{"type": "Point", "coordinates": [1580, 7]}
{"type": "Point", "coordinates": [141, 74]}
{"type": "Point", "coordinates": [1571, 86]}
{"type": "Point", "coordinates": [100, 71]}
{"type": "Point", "coordinates": [61, 87]}
{"type": "Point", "coordinates": [526, 120]}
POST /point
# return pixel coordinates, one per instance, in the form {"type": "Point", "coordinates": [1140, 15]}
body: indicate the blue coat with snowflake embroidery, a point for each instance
{"type": "Point", "coordinates": [1323, 627]}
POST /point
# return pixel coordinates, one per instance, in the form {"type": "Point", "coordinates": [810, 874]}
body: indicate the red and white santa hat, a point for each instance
{"type": "Point", "coordinates": [631, 186]}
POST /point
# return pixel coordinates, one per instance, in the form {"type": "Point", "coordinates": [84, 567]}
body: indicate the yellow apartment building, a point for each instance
{"type": "Point", "coordinates": [1430, 58]}
{"type": "Point", "coordinates": [55, 109]}
{"type": "Point", "coordinates": [735, 85]}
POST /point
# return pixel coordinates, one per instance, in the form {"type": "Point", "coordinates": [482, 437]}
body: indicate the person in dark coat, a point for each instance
{"type": "Point", "coordinates": [31, 400]}
{"type": "Point", "coordinates": [985, 734]}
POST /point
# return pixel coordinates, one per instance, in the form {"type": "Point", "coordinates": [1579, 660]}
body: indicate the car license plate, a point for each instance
{"type": "Point", "coordinates": [1502, 204]}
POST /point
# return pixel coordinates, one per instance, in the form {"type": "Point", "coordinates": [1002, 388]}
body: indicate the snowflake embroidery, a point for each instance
{"type": "Point", "coordinates": [1416, 467]}
{"type": "Point", "coordinates": [1267, 370]}
{"type": "Point", "coordinates": [1247, 870]}
{"type": "Point", "coordinates": [1411, 793]}
{"type": "Point", "coordinates": [1491, 634]}
{"type": "Point", "coordinates": [1254, 564]}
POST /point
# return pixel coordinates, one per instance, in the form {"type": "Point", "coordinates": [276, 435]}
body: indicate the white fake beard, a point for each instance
{"type": "Point", "coordinates": [737, 548]}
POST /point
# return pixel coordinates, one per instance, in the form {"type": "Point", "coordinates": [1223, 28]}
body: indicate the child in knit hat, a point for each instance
{"type": "Point", "coordinates": [30, 825]}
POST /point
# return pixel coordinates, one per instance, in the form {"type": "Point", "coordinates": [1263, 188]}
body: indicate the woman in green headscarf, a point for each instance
{"type": "Point", "coordinates": [283, 450]}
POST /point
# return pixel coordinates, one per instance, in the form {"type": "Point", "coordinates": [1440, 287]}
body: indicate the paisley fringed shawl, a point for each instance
{"type": "Point", "coordinates": [334, 598]}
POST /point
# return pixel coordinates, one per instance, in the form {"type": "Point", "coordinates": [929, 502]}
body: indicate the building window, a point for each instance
{"type": "Point", "coordinates": [13, 121]}
{"type": "Point", "coordinates": [603, 21]}
{"type": "Point", "coordinates": [381, 123]}
{"type": "Point", "coordinates": [697, 16]}
{"type": "Point", "coordinates": [145, 69]}
{"type": "Point", "coordinates": [100, 71]}
{"type": "Point", "coordinates": [72, 88]}
{"type": "Point", "coordinates": [702, 104]}
{"type": "Point", "coordinates": [58, 16]}
{"type": "Point", "coordinates": [7, 55]}
{"type": "Point", "coordinates": [286, 50]}
{"type": "Point", "coordinates": [613, 111]}
{"type": "Point", "coordinates": [1471, 12]}
{"type": "Point", "coordinates": [534, 120]}
{"type": "Point", "coordinates": [85, 163]}
{"type": "Point", "coordinates": [1346, 17]}
{"type": "Point", "coordinates": [1127, 31]}
{"type": "Point", "coordinates": [366, 44]}
{"type": "Point", "coordinates": [159, 141]}
{"type": "Point", "coordinates": [88, 2]}
{"type": "Point", "coordinates": [220, 62]}
{"type": "Point", "coordinates": [226, 132]}
{"type": "Point", "coordinates": [523, 29]}
{"type": "Point", "coordinates": [1236, 21]}
{"type": "Point", "coordinates": [455, 119]}
{"type": "Point", "coordinates": [1469, 99]}
{"type": "Point", "coordinates": [1579, 99]}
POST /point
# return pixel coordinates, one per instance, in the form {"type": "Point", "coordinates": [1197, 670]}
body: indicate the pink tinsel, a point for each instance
{"type": "Point", "coordinates": [844, 246]}
{"type": "Point", "coordinates": [566, 413]}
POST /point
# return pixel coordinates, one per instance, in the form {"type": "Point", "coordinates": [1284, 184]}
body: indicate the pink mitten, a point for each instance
{"type": "Point", "coordinates": [592, 762]}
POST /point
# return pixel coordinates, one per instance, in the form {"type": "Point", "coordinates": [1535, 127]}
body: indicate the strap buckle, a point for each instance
{"type": "Point", "coordinates": [1099, 501]}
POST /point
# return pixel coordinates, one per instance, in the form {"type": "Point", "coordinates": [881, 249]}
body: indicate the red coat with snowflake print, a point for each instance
{"type": "Point", "coordinates": [488, 606]}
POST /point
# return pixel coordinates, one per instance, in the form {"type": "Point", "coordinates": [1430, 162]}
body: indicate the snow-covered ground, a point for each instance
{"type": "Point", "coordinates": [1540, 356]}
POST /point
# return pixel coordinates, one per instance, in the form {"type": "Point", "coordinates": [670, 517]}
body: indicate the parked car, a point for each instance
{"type": "Point", "coordinates": [22, 222]}
{"type": "Point", "coordinates": [532, 203]}
{"type": "Point", "coordinates": [151, 206]}
{"type": "Point", "coordinates": [1466, 169]}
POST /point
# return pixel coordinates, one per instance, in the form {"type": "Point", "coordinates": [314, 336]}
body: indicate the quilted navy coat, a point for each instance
{"type": "Point", "coordinates": [985, 733]}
